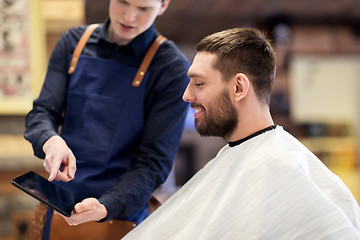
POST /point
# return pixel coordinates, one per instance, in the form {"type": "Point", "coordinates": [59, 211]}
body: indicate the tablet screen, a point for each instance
{"type": "Point", "coordinates": [47, 192]}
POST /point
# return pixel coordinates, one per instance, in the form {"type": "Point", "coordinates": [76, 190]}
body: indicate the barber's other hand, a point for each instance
{"type": "Point", "coordinates": [90, 209]}
{"type": "Point", "coordinates": [57, 154]}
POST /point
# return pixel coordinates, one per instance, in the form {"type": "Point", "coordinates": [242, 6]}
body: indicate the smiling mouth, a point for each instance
{"type": "Point", "coordinates": [198, 112]}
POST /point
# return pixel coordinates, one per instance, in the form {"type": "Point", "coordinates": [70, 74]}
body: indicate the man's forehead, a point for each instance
{"type": "Point", "coordinates": [203, 62]}
{"type": "Point", "coordinates": [142, 3]}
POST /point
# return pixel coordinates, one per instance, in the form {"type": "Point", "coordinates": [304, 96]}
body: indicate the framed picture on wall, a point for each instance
{"type": "Point", "coordinates": [22, 54]}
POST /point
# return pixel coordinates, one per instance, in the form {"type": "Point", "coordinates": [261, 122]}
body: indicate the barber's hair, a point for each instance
{"type": "Point", "coordinates": [243, 50]}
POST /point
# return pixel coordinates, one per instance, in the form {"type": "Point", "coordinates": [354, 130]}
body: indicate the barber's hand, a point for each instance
{"type": "Point", "coordinates": [57, 154]}
{"type": "Point", "coordinates": [90, 209]}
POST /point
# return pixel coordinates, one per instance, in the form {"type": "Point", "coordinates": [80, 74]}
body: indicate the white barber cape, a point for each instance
{"type": "Point", "coordinates": [269, 187]}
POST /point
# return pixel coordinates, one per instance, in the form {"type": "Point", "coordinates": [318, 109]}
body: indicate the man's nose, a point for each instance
{"type": "Point", "coordinates": [130, 15]}
{"type": "Point", "coordinates": [187, 96]}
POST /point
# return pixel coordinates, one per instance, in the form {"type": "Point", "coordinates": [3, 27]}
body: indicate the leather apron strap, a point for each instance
{"type": "Point", "coordinates": [80, 46]}
{"type": "Point", "coordinates": [147, 60]}
{"type": "Point", "coordinates": [143, 67]}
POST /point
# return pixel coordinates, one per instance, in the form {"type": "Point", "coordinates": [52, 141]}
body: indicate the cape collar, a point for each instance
{"type": "Point", "coordinates": [235, 143]}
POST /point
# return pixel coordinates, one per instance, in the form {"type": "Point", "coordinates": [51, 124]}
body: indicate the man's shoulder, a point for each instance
{"type": "Point", "coordinates": [274, 148]}
{"type": "Point", "coordinates": [75, 33]}
{"type": "Point", "coordinates": [170, 53]}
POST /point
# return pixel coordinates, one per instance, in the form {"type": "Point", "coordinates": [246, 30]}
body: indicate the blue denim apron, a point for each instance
{"type": "Point", "coordinates": [104, 120]}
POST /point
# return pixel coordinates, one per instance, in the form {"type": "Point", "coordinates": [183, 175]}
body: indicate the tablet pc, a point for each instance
{"type": "Point", "coordinates": [46, 192]}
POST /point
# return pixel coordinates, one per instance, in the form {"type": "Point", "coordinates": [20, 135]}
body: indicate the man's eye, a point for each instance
{"type": "Point", "coordinates": [198, 84]}
{"type": "Point", "coordinates": [123, 2]}
{"type": "Point", "coordinates": [144, 9]}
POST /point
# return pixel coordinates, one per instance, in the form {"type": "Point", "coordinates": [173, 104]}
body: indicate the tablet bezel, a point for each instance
{"type": "Point", "coordinates": [20, 182]}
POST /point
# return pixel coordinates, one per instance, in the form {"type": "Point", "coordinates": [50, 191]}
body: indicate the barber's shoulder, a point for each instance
{"type": "Point", "coordinates": [170, 54]}
{"type": "Point", "coordinates": [76, 32]}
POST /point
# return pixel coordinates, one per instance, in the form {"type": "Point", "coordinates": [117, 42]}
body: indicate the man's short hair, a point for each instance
{"type": "Point", "coordinates": [243, 50]}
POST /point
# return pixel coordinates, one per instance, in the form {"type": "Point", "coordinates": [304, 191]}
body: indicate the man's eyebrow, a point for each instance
{"type": "Point", "coordinates": [193, 75]}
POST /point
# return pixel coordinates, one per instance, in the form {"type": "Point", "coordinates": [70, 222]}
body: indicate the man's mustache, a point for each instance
{"type": "Point", "coordinates": [196, 105]}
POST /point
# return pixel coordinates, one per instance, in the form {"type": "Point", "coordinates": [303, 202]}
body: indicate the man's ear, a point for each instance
{"type": "Point", "coordinates": [241, 86]}
{"type": "Point", "coordinates": [164, 6]}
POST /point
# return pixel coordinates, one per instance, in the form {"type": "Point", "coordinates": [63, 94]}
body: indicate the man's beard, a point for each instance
{"type": "Point", "coordinates": [220, 118]}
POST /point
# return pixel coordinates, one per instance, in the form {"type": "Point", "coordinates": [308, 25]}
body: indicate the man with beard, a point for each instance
{"type": "Point", "coordinates": [264, 184]}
